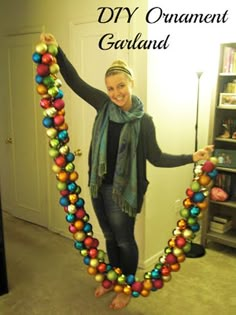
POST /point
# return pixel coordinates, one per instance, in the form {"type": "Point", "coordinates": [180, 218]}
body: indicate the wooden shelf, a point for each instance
{"type": "Point", "coordinates": [225, 139]}
{"type": "Point", "coordinates": [227, 74]}
{"type": "Point", "coordinates": [230, 204]}
{"type": "Point", "coordinates": [225, 109]}
{"type": "Point", "coordinates": [226, 169]}
{"type": "Point", "coordinates": [229, 238]}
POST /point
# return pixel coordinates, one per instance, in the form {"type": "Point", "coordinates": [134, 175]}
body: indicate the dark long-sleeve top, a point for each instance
{"type": "Point", "coordinates": [147, 149]}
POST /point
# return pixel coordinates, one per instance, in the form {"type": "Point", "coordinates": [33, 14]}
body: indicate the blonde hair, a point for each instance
{"type": "Point", "coordinates": [119, 66]}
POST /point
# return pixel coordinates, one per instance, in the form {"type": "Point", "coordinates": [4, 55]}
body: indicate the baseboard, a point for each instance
{"type": "Point", "coordinates": [150, 262]}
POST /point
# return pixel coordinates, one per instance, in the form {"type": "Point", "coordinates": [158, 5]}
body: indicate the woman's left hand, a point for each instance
{"type": "Point", "coordinates": [203, 154]}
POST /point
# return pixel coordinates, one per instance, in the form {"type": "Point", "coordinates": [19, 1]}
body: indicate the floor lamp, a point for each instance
{"type": "Point", "coordinates": [197, 250]}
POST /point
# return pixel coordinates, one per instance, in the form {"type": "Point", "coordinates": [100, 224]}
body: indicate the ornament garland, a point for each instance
{"type": "Point", "coordinates": [53, 105]}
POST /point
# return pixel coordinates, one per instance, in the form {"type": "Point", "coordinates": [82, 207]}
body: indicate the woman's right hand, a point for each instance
{"type": "Point", "coordinates": [48, 39]}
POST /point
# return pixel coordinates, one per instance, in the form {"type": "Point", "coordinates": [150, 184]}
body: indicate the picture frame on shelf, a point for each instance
{"type": "Point", "coordinates": [227, 100]}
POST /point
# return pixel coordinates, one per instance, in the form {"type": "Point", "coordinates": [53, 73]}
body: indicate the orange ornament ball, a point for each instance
{"type": "Point", "coordinates": [175, 267]}
{"type": "Point", "coordinates": [62, 176]}
{"type": "Point", "coordinates": [79, 224]}
{"type": "Point", "coordinates": [127, 290]}
{"type": "Point", "coordinates": [118, 288]}
{"type": "Point", "coordinates": [181, 258]}
{"type": "Point", "coordinates": [202, 205]}
{"type": "Point", "coordinates": [73, 176]}
{"type": "Point", "coordinates": [147, 284]}
{"type": "Point", "coordinates": [204, 180]}
{"type": "Point", "coordinates": [145, 293]}
{"type": "Point", "coordinates": [182, 224]}
{"type": "Point", "coordinates": [92, 270]}
{"type": "Point", "coordinates": [41, 89]}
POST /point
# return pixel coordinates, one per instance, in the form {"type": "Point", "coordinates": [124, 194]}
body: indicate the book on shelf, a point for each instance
{"type": "Point", "coordinates": [221, 226]}
{"type": "Point", "coordinates": [212, 229]}
{"type": "Point", "coordinates": [222, 219]}
{"type": "Point", "coordinates": [229, 60]}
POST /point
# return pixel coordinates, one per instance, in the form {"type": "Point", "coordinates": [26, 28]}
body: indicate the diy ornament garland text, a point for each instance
{"type": "Point", "coordinates": [153, 16]}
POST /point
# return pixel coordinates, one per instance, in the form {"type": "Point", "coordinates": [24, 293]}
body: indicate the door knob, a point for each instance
{"type": "Point", "coordinates": [78, 152]}
{"type": "Point", "coordinates": [8, 141]}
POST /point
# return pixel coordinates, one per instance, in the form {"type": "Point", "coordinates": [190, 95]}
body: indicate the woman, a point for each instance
{"type": "Point", "coordinates": [123, 139]}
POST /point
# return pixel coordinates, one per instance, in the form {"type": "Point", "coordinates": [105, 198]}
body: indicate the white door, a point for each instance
{"type": "Point", "coordinates": [91, 63]}
{"type": "Point", "coordinates": [23, 142]}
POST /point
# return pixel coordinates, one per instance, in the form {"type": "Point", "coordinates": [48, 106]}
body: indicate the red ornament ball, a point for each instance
{"type": "Point", "coordinates": [137, 286]}
{"type": "Point", "coordinates": [180, 241]}
{"type": "Point", "coordinates": [59, 104]}
{"type": "Point", "coordinates": [42, 70]}
{"type": "Point", "coordinates": [47, 59]}
{"type": "Point", "coordinates": [208, 166]}
{"type": "Point", "coordinates": [157, 283]}
{"type": "Point", "coordinates": [60, 161]}
{"type": "Point", "coordinates": [171, 259]}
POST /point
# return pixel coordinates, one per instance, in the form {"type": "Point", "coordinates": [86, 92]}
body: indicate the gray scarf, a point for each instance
{"type": "Point", "coordinates": [125, 178]}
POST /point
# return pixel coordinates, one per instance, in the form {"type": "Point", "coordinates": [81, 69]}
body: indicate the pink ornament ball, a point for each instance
{"type": "Point", "coordinates": [72, 229]}
{"type": "Point", "coordinates": [42, 70]}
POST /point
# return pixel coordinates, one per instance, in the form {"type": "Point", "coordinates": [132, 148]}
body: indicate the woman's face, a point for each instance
{"type": "Point", "coordinates": [119, 89]}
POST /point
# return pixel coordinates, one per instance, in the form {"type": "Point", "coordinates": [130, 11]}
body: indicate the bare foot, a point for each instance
{"type": "Point", "coordinates": [100, 291]}
{"type": "Point", "coordinates": [120, 301]}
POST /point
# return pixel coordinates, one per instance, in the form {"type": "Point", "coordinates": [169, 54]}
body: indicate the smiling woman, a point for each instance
{"type": "Point", "coordinates": [107, 42]}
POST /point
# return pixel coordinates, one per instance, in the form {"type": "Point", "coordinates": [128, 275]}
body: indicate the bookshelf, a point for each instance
{"type": "Point", "coordinates": [223, 136]}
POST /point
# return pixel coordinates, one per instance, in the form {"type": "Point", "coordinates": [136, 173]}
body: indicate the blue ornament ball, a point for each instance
{"type": "Point", "coordinates": [87, 228]}
{"type": "Point", "coordinates": [86, 260]}
{"type": "Point", "coordinates": [38, 79]}
{"type": "Point", "coordinates": [155, 273]}
{"type": "Point", "coordinates": [48, 122]}
{"type": "Point", "coordinates": [130, 279]}
{"type": "Point", "coordinates": [70, 157]}
{"type": "Point", "coordinates": [63, 135]}
{"type": "Point", "coordinates": [194, 211]}
{"type": "Point", "coordinates": [71, 187]}
{"type": "Point", "coordinates": [79, 245]}
{"type": "Point", "coordinates": [195, 227]}
{"type": "Point", "coordinates": [213, 174]}
{"type": "Point", "coordinates": [37, 57]}
{"type": "Point", "coordinates": [80, 203]}
{"type": "Point", "coordinates": [70, 218]}
{"type": "Point", "coordinates": [198, 197]}
{"type": "Point", "coordinates": [64, 201]}
{"type": "Point", "coordinates": [59, 94]}
{"type": "Point", "coordinates": [135, 294]}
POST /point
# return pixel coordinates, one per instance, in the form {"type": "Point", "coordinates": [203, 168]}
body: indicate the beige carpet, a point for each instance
{"type": "Point", "coordinates": [46, 276]}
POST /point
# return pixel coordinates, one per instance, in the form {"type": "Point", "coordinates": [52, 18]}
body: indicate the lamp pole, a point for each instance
{"type": "Point", "coordinates": [197, 250]}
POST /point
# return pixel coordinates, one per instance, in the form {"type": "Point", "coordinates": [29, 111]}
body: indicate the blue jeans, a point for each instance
{"type": "Point", "coordinates": [118, 230]}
